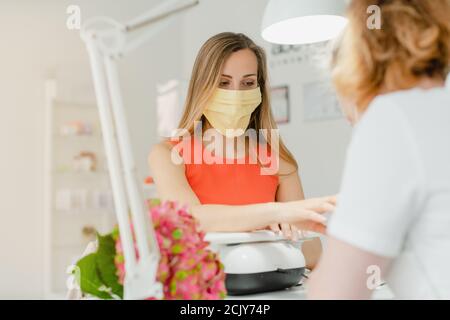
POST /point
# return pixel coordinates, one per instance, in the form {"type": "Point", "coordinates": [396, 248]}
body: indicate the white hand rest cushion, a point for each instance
{"type": "Point", "coordinates": [219, 238]}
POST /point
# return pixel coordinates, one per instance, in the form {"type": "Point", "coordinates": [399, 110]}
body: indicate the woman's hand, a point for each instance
{"type": "Point", "coordinates": [289, 231]}
{"type": "Point", "coordinates": [304, 215]}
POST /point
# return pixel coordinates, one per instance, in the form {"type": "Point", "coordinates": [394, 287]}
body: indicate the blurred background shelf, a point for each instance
{"type": "Point", "coordinates": [78, 194]}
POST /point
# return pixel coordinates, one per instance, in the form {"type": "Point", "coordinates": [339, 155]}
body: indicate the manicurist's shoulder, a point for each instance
{"type": "Point", "coordinates": [381, 106]}
{"type": "Point", "coordinates": [383, 115]}
{"type": "Point", "coordinates": [411, 102]}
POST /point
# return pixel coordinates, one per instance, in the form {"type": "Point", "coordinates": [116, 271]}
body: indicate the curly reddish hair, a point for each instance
{"type": "Point", "coordinates": [412, 44]}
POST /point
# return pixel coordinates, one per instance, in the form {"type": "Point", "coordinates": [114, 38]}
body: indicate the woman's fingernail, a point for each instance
{"type": "Point", "coordinates": [310, 234]}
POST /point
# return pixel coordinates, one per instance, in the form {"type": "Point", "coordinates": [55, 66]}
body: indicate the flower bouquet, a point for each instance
{"type": "Point", "coordinates": [188, 269]}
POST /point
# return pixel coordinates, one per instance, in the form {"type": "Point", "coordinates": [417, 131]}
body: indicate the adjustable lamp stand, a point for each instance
{"type": "Point", "coordinates": [106, 46]}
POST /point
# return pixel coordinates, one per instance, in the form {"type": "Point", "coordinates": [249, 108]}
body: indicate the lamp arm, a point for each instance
{"type": "Point", "coordinates": [112, 152]}
{"type": "Point", "coordinates": [159, 17]}
{"type": "Point", "coordinates": [166, 9]}
{"type": "Point", "coordinates": [129, 167]}
{"type": "Point", "coordinates": [140, 278]}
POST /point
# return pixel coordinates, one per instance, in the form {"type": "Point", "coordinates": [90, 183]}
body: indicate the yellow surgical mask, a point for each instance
{"type": "Point", "coordinates": [232, 109]}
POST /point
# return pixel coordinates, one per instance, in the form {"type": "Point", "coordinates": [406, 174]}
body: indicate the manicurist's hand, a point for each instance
{"type": "Point", "coordinates": [307, 215]}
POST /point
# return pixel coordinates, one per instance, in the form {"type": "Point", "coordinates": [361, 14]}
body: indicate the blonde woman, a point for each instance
{"type": "Point", "coordinates": [228, 92]}
{"type": "Point", "coordinates": [392, 220]}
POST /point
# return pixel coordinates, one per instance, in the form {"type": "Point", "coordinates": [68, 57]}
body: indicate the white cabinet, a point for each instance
{"type": "Point", "coordinates": [78, 196]}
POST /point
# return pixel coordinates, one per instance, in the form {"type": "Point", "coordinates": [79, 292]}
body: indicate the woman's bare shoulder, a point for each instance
{"type": "Point", "coordinates": [286, 168]}
{"type": "Point", "coordinates": [160, 149]}
{"type": "Point", "coordinates": [167, 151]}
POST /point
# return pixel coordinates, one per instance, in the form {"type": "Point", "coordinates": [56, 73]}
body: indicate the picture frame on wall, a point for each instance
{"type": "Point", "coordinates": [320, 102]}
{"type": "Point", "coordinates": [280, 104]}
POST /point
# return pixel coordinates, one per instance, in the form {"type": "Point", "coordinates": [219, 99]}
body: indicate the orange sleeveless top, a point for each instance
{"type": "Point", "coordinates": [224, 183]}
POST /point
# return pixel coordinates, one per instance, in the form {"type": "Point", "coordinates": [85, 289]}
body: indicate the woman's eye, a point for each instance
{"type": "Point", "coordinates": [223, 83]}
{"type": "Point", "coordinates": [249, 83]}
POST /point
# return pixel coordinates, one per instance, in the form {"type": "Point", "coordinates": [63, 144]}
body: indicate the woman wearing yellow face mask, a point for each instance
{"type": "Point", "coordinates": [228, 99]}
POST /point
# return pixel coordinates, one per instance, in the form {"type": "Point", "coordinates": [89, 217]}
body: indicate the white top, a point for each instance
{"type": "Point", "coordinates": [395, 193]}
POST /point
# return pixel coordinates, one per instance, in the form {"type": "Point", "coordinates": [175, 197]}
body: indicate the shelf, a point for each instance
{"type": "Point", "coordinates": [73, 246]}
{"type": "Point", "coordinates": [84, 213]}
{"type": "Point", "coordinates": [74, 105]}
{"type": "Point", "coordinates": [81, 173]}
{"type": "Point", "coordinates": [65, 239]}
{"type": "Point", "coordinates": [79, 137]}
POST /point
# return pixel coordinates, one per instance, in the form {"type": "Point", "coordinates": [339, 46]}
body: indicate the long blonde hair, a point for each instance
{"type": "Point", "coordinates": [205, 80]}
{"type": "Point", "coordinates": [413, 43]}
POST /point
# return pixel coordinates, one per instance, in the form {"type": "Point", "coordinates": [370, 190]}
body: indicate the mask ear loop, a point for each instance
{"type": "Point", "coordinates": [253, 120]}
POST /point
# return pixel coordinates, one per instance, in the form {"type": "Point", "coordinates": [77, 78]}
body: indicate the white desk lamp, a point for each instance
{"type": "Point", "coordinates": [303, 21]}
{"type": "Point", "coordinates": [106, 42]}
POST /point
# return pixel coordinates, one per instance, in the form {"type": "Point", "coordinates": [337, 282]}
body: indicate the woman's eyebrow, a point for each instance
{"type": "Point", "coordinates": [245, 76]}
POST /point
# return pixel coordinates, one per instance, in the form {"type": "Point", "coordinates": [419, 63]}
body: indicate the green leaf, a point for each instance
{"type": "Point", "coordinates": [177, 234]}
{"type": "Point", "coordinates": [181, 275]}
{"type": "Point", "coordinates": [115, 233]}
{"type": "Point", "coordinates": [177, 249]}
{"type": "Point", "coordinates": [105, 264]}
{"type": "Point", "coordinates": [154, 202]}
{"type": "Point", "coordinates": [90, 281]}
{"type": "Point", "coordinates": [173, 287]}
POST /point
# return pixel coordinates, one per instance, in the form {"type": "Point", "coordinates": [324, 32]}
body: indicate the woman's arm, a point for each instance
{"type": "Point", "coordinates": [346, 272]}
{"type": "Point", "coordinates": [172, 184]}
{"type": "Point", "coordinates": [290, 189]}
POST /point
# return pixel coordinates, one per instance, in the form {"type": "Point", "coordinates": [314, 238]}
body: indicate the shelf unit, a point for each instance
{"type": "Point", "coordinates": [78, 202]}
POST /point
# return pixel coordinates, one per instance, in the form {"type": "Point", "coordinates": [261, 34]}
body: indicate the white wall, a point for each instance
{"type": "Point", "coordinates": [319, 146]}
{"type": "Point", "coordinates": [37, 44]}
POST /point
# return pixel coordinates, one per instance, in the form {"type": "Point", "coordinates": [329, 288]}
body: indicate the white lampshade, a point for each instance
{"type": "Point", "coordinates": [303, 21]}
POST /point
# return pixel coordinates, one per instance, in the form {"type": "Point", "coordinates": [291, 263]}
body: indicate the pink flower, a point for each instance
{"type": "Point", "coordinates": [187, 269]}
